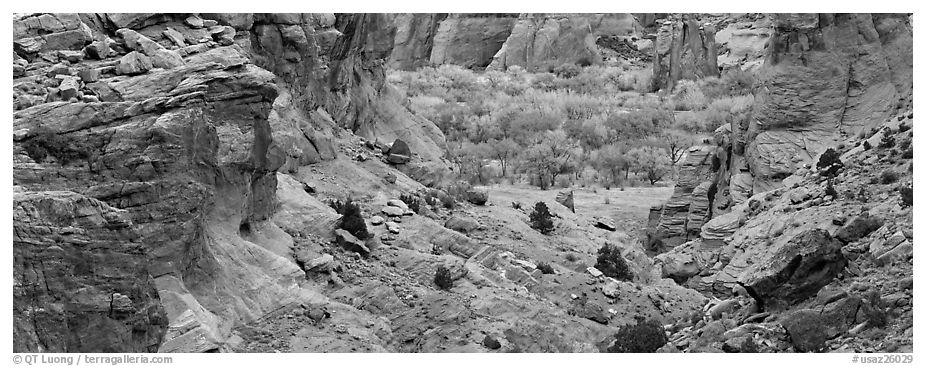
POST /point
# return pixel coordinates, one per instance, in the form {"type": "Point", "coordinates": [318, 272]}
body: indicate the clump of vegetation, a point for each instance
{"type": "Point", "coordinates": [46, 143]}
{"type": "Point", "coordinates": [571, 257]}
{"type": "Point", "coordinates": [412, 201]}
{"type": "Point", "coordinates": [888, 177]}
{"type": "Point", "coordinates": [829, 163]}
{"type": "Point", "coordinates": [830, 189]}
{"type": "Point", "coordinates": [541, 219]}
{"type": "Point", "coordinates": [908, 153]}
{"type": "Point", "coordinates": [567, 70]}
{"type": "Point", "coordinates": [351, 218]}
{"type": "Point", "coordinates": [646, 336]}
{"type": "Point", "coordinates": [906, 196]}
{"type": "Point", "coordinates": [443, 278]}
{"type": "Point", "coordinates": [516, 205]}
{"type": "Point", "coordinates": [545, 268]}
{"type": "Point", "coordinates": [612, 263]}
{"type": "Point", "coordinates": [887, 141]}
{"type": "Point", "coordinates": [866, 145]}
{"type": "Point", "coordinates": [903, 127]}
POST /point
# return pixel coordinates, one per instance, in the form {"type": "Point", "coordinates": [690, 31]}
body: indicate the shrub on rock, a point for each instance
{"type": "Point", "coordinates": [646, 336]}
{"type": "Point", "coordinates": [411, 201]}
{"type": "Point", "coordinates": [906, 196]}
{"type": "Point", "coordinates": [829, 163]}
{"type": "Point", "coordinates": [545, 268]}
{"type": "Point", "coordinates": [612, 263]}
{"type": "Point", "coordinates": [442, 278]}
{"type": "Point", "coordinates": [541, 220]}
{"type": "Point", "coordinates": [351, 219]}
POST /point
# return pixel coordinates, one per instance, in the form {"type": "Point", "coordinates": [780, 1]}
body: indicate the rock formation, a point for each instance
{"type": "Point", "coordinates": [539, 42]}
{"type": "Point", "coordinates": [685, 49]}
{"type": "Point", "coordinates": [176, 131]}
{"type": "Point", "coordinates": [825, 78]}
{"type": "Point", "coordinates": [468, 40]}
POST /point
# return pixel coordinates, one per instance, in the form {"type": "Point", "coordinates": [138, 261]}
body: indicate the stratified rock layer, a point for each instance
{"type": "Point", "coordinates": [539, 42]}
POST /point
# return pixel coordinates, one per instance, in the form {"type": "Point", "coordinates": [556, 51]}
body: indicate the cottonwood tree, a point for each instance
{"type": "Point", "coordinates": [611, 159]}
{"type": "Point", "coordinates": [649, 161]}
{"type": "Point", "coordinates": [504, 151]}
{"type": "Point", "coordinates": [551, 156]}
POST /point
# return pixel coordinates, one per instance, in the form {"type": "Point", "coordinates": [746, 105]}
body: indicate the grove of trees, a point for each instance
{"type": "Point", "coordinates": [594, 124]}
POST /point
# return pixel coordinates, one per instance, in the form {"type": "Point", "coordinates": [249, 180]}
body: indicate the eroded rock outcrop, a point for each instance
{"type": "Point", "coordinates": [468, 40]}
{"type": "Point", "coordinates": [539, 42]}
{"type": "Point", "coordinates": [685, 49]}
{"type": "Point", "coordinates": [825, 77]}
{"type": "Point", "coordinates": [185, 149]}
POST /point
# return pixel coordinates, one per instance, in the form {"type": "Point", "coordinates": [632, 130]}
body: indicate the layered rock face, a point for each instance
{"type": "Point", "coordinates": [685, 49]}
{"type": "Point", "coordinates": [145, 157]}
{"type": "Point", "coordinates": [825, 77]}
{"type": "Point", "coordinates": [468, 40]}
{"type": "Point", "coordinates": [539, 42]}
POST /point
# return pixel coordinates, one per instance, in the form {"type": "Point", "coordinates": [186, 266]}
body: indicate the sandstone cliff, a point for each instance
{"type": "Point", "coordinates": [539, 42]}
{"type": "Point", "coordinates": [146, 148]}
{"type": "Point", "coordinates": [824, 79]}
{"type": "Point", "coordinates": [468, 40]}
{"type": "Point", "coordinates": [685, 49]}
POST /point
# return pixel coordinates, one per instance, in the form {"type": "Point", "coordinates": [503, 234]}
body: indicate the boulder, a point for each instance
{"type": "Point", "coordinates": [491, 343]}
{"type": "Point", "coordinates": [377, 220]}
{"type": "Point", "coordinates": [567, 198]}
{"type": "Point", "coordinates": [134, 63]}
{"type": "Point", "coordinates": [98, 49]}
{"type": "Point", "coordinates": [399, 152]}
{"type": "Point", "coordinates": [797, 269]}
{"type": "Point", "coordinates": [324, 263]}
{"type": "Point", "coordinates": [477, 196]}
{"type": "Point", "coordinates": [350, 242]}
{"type": "Point", "coordinates": [594, 272]}
{"type": "Point", "coordinates": [392, 227]}
{"type": "Point", "coordinates": [397, 203]}
{"type": "Point", "coordinates": [858, 227]}
{"type": "Point", "coordinates": [393, 211]}
{"type": "Point", "coordinates": [461, 224]}
{"type": "Point", "coordinates": [69, 87]}
{"type": "Point", "coordinates": [89, 75]}
{"type": "Point", "coordinates": [605, 224]}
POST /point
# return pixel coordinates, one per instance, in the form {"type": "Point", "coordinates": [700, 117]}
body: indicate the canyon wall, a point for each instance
{"type": "Point", "coordinates": [825, 78]}
{"type": "Point", "coordinates": [146, 148]}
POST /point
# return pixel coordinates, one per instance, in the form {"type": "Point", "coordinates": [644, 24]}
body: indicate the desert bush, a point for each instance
{"type": "Point", "coordinates": [688, 96]}
{"type": "Point", "coordinates": [540, 218]}
{"type": "Point", "coordinates": [612, 263]}
{"type": "Point", "coordinates": [352, 220]}
{"type": "Point", "coordinates": [866, 145]}
{"type": "Point", "coordinates": [645, 336]}
{"type": "Point", "coordinates": [516, 205]}
{"type": "Point", "coordinates": [887, 141]}
{"type": "Point", "coordinates": [567, 70]}
{"type": "Point", "coordinates": [906, 196]}
{"type": "Point", "coordinates": [571, 257]}
{"type": "Point", "coordinates": [888, 177]}
{"type": "Point", "coordinates": [830, 189]}
{"type": "Point", "coordinates": [412, 201]}
{"type": "Point", "coordinates": [442, 278]}
{"type": "Point", "coordinates": [545, 268]}
{"type": "Point", "coordinates": [908, 153]}
{"type": "Point", "coordinates": [903, 127]}
{"type": "Point", "coordinates": [829, 163]}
